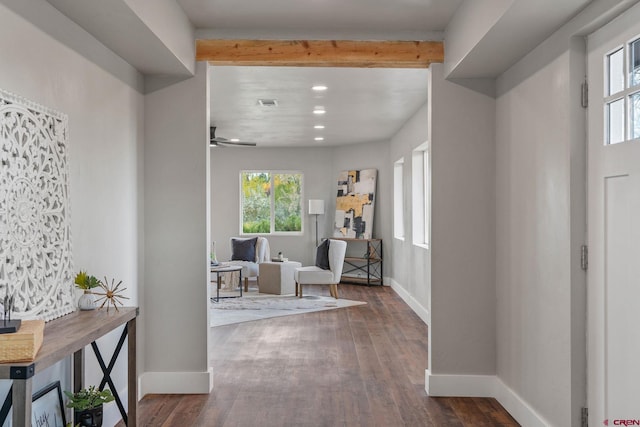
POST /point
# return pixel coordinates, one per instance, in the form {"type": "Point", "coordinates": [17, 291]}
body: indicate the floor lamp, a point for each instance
{"type": "Point", "coordinates": [316, 207]}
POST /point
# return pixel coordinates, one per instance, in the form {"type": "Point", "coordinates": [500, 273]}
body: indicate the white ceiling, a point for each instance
{"type": "Point", "coordinates": [322, 15]}
{"type": "Point", "coordinates": [485, 38]}
{"type": "Point", "coordinates": [361, 104]}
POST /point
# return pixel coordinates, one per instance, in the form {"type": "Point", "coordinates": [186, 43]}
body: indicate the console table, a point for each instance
{"type": "Point", "coordinates": [366, 267]}
{"type": "Point", "coordinates": [69, 335]}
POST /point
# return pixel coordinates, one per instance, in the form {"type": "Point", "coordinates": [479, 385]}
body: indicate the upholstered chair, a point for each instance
{"type": "Point", "coordinates": [323, 273]}
{"type": "Point", "coordinates": [249, 253]}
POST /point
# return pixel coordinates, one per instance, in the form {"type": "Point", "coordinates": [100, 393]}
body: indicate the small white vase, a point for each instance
{"type": "Point", "coordinates": [87, 301]}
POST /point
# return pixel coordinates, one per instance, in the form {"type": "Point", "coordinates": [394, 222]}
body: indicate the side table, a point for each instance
{"type": "Point", "coordinates": [278, 277]}
{"type": "Point", "coordinates": [226, 268]}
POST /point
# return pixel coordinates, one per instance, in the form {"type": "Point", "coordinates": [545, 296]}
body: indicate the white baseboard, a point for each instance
{"type": "Point", "coordinates": [419, 309]}
{"type": "Point", "coordinates": [518, 408]}
{"type": "Point", "coordinates": [460, 385]}
{"type": "Point", "coordinates": [484, 386]}
{"type": "Point", "coordinates": [175, 383]}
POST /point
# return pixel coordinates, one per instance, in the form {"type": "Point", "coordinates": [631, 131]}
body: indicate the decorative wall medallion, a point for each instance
{"type": "Point", "coordinates": [35, 228]}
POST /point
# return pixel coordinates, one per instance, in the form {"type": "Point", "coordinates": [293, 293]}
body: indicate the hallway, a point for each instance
{"type": "Point", "coordinates": [360, 366]}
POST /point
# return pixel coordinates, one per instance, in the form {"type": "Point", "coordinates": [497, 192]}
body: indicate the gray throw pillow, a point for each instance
{"type": "Point", "coordinates": [322, 255]}
{"type": "Point", "coordinates": [243, 249]}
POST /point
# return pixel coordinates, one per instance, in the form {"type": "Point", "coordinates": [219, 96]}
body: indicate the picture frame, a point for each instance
{"type": "Point", "coordinates": [47, 408]}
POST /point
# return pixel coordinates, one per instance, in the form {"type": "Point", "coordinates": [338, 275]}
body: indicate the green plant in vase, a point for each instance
{"type": "Point", "coordinates": [86, 283]}
{"type": "Point", "coordinates": [87, 405]}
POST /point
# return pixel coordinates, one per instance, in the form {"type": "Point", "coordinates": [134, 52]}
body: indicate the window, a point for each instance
{"type": "Point", "coordinates": [420, 195]}
{"type": "Point", "coordinates": [622, 100]}
{"type": "Point", "coordinates": [398, 199]}
{"type": "Point", "coordinates": [270, 202]}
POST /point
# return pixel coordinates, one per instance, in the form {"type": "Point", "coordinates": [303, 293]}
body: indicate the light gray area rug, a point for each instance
{"type": "Point", "coordinates": [262, 306]}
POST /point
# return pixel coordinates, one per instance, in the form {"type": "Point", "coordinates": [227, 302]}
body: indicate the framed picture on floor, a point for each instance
{"type": "Point", "coordinates": [47, 408]}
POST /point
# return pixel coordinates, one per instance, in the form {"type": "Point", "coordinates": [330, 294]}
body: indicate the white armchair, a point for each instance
{"type": "Point", "coordinates": [249, 255]}
{"type": "Point", "coordinates": [314, 275]}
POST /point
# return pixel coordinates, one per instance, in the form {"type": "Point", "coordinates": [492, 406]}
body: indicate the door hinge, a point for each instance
{"type": "Point", "coordinates": [584, 257]}
{"type": "Point", "coordinates": [585, 417]}
{"type": "Point", "coordinates": [584, 89]}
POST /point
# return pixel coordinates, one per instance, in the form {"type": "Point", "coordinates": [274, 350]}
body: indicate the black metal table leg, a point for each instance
{"type": "Point", "coordinates": [106, 370]}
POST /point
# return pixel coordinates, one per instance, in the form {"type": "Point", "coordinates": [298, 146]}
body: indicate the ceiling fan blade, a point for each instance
{"type": "Point", "coordinates": [238, 143]}
{"type": "Point", "coordinates": [217, 141]}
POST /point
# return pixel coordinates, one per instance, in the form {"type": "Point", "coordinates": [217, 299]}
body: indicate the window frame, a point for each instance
{"type": "Point", "coordinates": [421, 195]}
{"type": "Point", "coordinates": [625, 95]}
{"type": "Point", "coordinates": [272, 220]}
{"type": "Point", "coordinates": [398, 199]}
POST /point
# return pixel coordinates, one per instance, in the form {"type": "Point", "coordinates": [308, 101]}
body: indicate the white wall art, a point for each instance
{"type": "Point", "coordinates": [35, 228]}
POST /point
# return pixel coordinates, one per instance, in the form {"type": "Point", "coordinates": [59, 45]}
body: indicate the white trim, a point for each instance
{"type": "Point", "coordinates": [518, 407]}
{"type": "Point", "coordinates": [175, 383]}
{"type": "Point", "coordinates": [484, 386]}
{"type": "Point", "coordinates": [419, 309]}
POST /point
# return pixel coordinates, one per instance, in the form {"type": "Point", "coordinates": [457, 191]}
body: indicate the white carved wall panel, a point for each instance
{"type": "Point", "coordinates": [35, 228]}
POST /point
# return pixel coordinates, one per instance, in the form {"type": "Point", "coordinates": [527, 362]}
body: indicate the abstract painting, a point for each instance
{"type": "Point", "coordinates": [35, 229]}
{"type": "Point", "coordinates": [355, 204]}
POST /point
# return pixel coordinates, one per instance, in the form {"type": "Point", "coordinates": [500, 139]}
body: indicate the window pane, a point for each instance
{"type": "Point", "coordinates": [425, 190]}
{"type": "Point", "coordinates": [256, 202]}
{"type": "Point", "coordinates": [616, 71]}
{"type": "Point", "coordinates": [287, 206]}
{"type": "Point", "coordinates": [398, 199]}
{"type": "Point", "coordinates": [634, 115]}
{"type": "Point", "coordinates": [615, 118]}
{"type": "Point", "coordinates": [634, 63]}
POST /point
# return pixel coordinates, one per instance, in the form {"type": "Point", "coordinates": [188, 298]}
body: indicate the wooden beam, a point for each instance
{"type": "Point", "coordinates": [321, 53]}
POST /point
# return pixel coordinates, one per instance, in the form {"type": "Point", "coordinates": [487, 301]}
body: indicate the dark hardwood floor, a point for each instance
{"type": "Point", "coordinates": [358, 366]}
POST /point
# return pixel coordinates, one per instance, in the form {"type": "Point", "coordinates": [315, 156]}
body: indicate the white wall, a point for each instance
{"type": "Point", "coordinates": [533, 239]}
{"type": "Point", "coordinates": [541, 219]}
{"type": "Point", "coordinates": [226, 164]}
{"type": "Point", "coordinates": [105, 146]}
{"type": "Point", "coordinates": [462, 334]}
{"type": "Point", "coordinates": [176, 197]}
{"type": "Point", "coordinates": [320, 167]}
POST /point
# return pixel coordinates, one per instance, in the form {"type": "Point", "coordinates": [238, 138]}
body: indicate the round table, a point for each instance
{"type": "Point", "coordinates": [226, 268]}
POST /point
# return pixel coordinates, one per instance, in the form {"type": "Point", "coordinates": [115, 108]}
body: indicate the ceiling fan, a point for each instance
{"type": "Point", "coordinates": [221, 142]}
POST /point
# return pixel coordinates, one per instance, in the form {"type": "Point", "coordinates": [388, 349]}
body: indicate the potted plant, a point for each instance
{"type": "Point", "coordinates": [87, 405]}
{"type": "Point", "coordinates": [86, 283]}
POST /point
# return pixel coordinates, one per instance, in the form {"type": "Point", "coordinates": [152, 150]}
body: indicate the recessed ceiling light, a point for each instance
{"type": "Point", "coordinates": [319, 111]}
{"type": "Point", "coordinates": [318, 127]}
{"type": "Point", "coordinates": [234, 140]}
{"type": "Point", "coordinates": [319, 138]}
{"type": "Point", "coordinates": [319, 88]}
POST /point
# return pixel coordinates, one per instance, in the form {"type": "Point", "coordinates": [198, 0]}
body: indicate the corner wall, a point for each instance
{"type": "Point", "coordinates": [177, 236]}
{"type": "Point", "coordinates": [463, 325]}
{"type": "Point", "coordinates": [410, 264]}
{"type": "Point", "coordinates": [541, 217]}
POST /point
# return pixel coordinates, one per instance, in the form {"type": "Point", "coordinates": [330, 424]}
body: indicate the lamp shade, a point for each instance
{"type": "Point", "coordinates": [316, 207]}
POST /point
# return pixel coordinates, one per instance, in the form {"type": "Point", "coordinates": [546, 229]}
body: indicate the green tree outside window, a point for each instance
{"type": "Point", "coordinates": [265, 211]}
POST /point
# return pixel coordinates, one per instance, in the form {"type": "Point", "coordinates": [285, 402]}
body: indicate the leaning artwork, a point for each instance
{"type": "Point", "coordinates": [355, 204]}
{"type": "Point", "coordinates": [35, 227]}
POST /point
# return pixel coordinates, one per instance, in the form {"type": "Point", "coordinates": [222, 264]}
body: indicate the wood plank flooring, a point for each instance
{"type": "Point", "coordinates": [358, 366]}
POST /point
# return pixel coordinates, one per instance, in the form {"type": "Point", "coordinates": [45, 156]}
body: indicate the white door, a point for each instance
{"type": "Point", "coordinates": [613, 350]}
